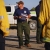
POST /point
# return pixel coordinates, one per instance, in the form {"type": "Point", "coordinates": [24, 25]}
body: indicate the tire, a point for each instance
{"type": "Point", "coordinates": [33, 25]}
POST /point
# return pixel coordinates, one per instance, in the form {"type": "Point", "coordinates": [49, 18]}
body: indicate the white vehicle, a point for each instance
{"type": "Point", "coordinates": [10, 11]}
{"type": "Point", "coordinates": [33, 20]}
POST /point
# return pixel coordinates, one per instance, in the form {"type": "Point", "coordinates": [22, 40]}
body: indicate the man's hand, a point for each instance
{"type": "Point", "coordinates": [15, 17]}
{"type": "Point", "coordinates": [29, 16]}
{"type": "Point", "coordinates": [20, 17]}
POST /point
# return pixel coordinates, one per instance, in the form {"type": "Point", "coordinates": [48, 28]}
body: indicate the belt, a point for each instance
{"type": "Point", "coordinates": [21, 21]}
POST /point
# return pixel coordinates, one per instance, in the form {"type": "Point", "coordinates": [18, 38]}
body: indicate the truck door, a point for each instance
{"type": "Point", "coordinates": [10, 14]}
{"type": "Point", "coordinates": [15, 21]}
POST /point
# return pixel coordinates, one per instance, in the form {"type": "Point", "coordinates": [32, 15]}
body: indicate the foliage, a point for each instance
{"type": "Point", "coordinates": [33, 9]}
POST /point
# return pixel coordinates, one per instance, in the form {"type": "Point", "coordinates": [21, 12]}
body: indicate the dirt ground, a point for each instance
{"type": "Point", "coordinates": [11, 42]}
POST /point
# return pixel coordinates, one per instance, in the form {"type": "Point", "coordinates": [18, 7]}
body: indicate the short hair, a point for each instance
{"type": "Point", "coordinates": [20, 2]}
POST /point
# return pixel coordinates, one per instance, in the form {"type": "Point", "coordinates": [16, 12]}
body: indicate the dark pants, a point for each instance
{"type": "Point", "coordinates": [47, 46]}
{"type": "Point", "coordinates": [23, 26]}
{"type": "Point", "coordinates": [2, 41]}
{"type": "Point", "coordinates": [39, 32]}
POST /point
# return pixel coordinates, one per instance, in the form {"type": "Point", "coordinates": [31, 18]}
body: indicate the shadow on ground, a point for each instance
{"type": "Point", "coordinates": [13, 27]}
{"type": "Point", "coordinates": [15, 38]}
{"type": "Point", "coordinates": [13, 46]}
{"type": "Point", "coordinates": [16, 46]}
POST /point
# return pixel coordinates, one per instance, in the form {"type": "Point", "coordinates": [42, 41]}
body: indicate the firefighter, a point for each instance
{"type": "Point", "coordinates": [44, 19]}
{"type": "Point", "coordinates": [22, 13]}
{"type": "Point", "coordinates": [39, 25]}
{"type": "Point", "coordinates": [4, 25]}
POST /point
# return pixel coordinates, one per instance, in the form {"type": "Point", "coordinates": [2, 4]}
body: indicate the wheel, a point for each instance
{"type": "Point", "coordinates": [33, 25]}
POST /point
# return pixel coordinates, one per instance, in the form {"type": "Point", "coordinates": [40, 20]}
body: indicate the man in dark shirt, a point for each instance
{"type": "Point", "coordinates": [39, 26]}
{"type": "Point", "coordinates": [22, 13]}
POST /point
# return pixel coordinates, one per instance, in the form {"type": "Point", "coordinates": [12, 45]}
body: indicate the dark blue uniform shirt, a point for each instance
{"type": "Point", "coordinates": [37, 10]}
{"type": "Point", "coordinates": [21, 12]}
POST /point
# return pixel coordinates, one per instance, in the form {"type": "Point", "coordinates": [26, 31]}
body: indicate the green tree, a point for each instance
{"type": "Point", "coordinates": [33, 9]}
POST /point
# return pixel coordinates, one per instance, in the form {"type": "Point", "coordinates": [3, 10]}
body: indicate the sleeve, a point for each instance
{"type": "Point", "coordinates": [15, 13]}
{"type": "Point", "coordinates": [28, 12]}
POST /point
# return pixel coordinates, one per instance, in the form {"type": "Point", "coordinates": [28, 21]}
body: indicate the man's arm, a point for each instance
{"type": "Point", "coordinates": [28, 14]}
{"type": "Point", "coordinates": [15, 15]}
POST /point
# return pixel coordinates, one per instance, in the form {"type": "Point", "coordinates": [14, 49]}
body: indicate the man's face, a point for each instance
{"type": "Point", "coordinates": [20, 5]}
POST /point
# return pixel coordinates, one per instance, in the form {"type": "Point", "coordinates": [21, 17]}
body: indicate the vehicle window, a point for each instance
{"type": "Point", "coordinates": [8, 8]}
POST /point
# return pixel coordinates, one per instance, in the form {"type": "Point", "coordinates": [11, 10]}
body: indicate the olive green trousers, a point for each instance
{"type": "Point", "coordinates": [23, 26]}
